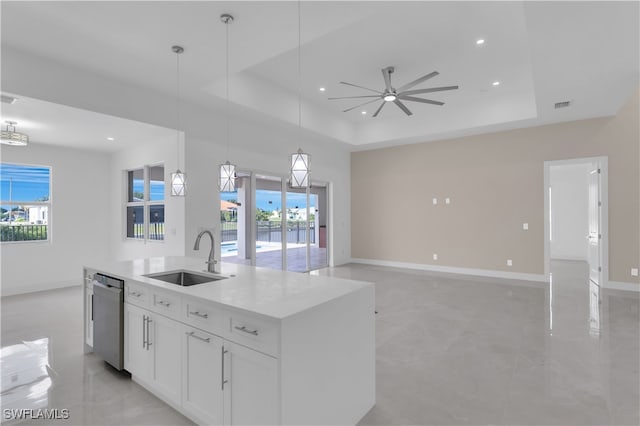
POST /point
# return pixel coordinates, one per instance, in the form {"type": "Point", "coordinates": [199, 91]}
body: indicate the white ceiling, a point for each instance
{"type": "Point", "coordinates": [541, 52]}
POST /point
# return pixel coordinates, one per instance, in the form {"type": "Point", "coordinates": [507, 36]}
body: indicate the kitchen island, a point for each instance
{"type": "Point", "coordinates": [259, 346]}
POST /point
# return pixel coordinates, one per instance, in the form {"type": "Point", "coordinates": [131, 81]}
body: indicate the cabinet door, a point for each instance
{"type": "Point", "coordinates": [165, 343]}
{"type": "Point", "coordinates": [88, 321]}
{"type": "Point", "coordinates": [137, 356]}
{"type": "Point", "coordinates": [251, 393]}
{"type": "Point", "coordinates": [202, 376]}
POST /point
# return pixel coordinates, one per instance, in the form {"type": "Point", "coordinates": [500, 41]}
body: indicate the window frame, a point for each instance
{"type": "Point", "coordinates": [146, 202]}
{"type": "Point", "coordinates": [48, 204]}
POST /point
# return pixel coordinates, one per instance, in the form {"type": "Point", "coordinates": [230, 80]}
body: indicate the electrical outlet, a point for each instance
{"type": "Point", "coordinates": [525, 226]}
{"type": "Point", "coordinates": [634, 272]}
{"type": "Point", "coordinates": [509, 262]}
{"type": "Point", "coordinates": [435, 201]}
{"type": "Point", "coordinates": [435, 256]}
{"type": "Point", "coordinates": [447, 200]}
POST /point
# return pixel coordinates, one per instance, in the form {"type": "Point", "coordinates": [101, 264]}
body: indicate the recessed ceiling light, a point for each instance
{"type": "Point", "coordinates": [111, 139]}
{"type": "Point", "coordinates": [480, 41]}
{"type": "Point", "coordinates": [363, 112]}
{"type": "Point", "coordinates": [496, 83]}
{"type": "Point", "coordinates": [322, 89]}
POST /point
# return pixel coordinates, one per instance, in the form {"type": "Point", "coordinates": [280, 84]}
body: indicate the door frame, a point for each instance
{"type": "Point", "coordinates": [603, 164]}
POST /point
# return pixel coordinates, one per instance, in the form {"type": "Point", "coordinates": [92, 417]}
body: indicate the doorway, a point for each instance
{"type": "Point", "coordinates": [576, 206]}
{"type": "Point", "coordinates": [266, 223]}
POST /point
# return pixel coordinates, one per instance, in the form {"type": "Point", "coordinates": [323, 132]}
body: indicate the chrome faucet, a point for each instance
{"type": "Point", "coordinates": [212, 263]}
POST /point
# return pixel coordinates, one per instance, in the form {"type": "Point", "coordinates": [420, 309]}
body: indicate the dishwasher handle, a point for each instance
{"type": "Point", "coordinates": [107, 287]}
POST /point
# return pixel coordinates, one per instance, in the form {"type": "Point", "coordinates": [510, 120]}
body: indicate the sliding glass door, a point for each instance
{"type": "Point", "coordinates": [267, 224]}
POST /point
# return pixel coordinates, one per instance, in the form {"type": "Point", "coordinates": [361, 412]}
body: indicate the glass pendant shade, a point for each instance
{"type": "Point", "coordinates": [227, 177]}
{"type": "Point", "coordinates": [178, 183]}
{"type": "Point", "coordinates": [300, 169]}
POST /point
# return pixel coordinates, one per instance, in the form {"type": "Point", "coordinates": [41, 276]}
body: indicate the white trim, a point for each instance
{"type": "Point", "coordinates": [570, 258]}
{"type": "Point", "coordinates": [620, 285]}
{"type": "Point", "coordinates": [455, 270]}
{"type": "Point", "coordinates": [603, 164]}
{"type": "Point", "coordinates": [32, 288]}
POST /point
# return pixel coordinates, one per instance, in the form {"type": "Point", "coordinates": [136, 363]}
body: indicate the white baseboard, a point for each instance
{"type": "Point", "coordinates": [455, 270]}
{"type": "Point", "coordinates": [31, 288]}
{"type": "Point", "coordinates": [620, 285]}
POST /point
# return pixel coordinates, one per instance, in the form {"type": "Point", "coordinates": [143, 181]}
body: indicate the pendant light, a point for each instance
{"type": "Point", "coordinates": [178, 179]}
{"type": "Point", "coordinates": [227, 180]}
{"type": "Point", "coordinates": [11, 137]}
{"type": "Point", "coordinates": [300, 162]}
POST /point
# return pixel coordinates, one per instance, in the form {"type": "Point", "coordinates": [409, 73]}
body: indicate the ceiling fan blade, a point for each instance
{"type": "Point", "coordinates": [386, 74]}
{"type": "Point", "coordinates": [402, 107]}
{"type": "Point", "coordinates": [357, 106]}
{"type": "Point", "coordinates": [418, 81]}
{"type": "Point", "coordinates": [424, 101]}
{"type": "Point", "coordinates": [375, 114]}
{"type": "Point", "coordinates": [433, 89]}
{"type": "Point", "coordinates": [354, 97]}
{"type": "Point", "coordinates": [361, 87]}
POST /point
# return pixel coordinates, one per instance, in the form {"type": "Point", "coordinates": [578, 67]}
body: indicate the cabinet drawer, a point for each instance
{"type": "Point", "coordinates": [136, 294]}
{"type": "Point", "coordinates": [166, 303]}
{"type": "Point", "coordinates": [204, 316]}
{"type": "Point", "coordinates": [257, 333]}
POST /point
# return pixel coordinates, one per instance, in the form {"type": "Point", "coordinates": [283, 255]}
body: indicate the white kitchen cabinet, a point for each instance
{"type": "Point", "coordinates": [137, 356]}
{"type": "Point", "coordinates": [153, 351]}
{"type": "Point", "coordinates": [165, 342]}
{"type": "Point", "coordinates": [251, 390]}
{"type": "Point", "coordinates": [202, 376]}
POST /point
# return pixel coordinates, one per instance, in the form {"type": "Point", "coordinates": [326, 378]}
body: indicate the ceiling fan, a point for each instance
{"type": "Point", "coordinates": [403, 93]}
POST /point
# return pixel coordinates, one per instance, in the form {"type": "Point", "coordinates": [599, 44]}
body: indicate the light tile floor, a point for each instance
{"type": "Point", "coordinates": [451, 350]}
{"type": "Point", "coordinates": [296, 259]}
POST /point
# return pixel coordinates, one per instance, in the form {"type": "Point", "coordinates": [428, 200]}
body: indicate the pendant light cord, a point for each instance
{"type": "Point", "coordinates": [227, 91]}
{"type": "Point", "coordinates": [299, 71]}
{"type": "Point", "coordinates": [178, 106]}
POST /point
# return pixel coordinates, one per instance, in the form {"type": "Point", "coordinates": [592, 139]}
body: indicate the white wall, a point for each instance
{"type": "Point", "coordinates": [258, 142]}
{"type": "Point", "coordinates": [79, 220]}
{"type": "Point", "coordinates": [261, 147]}
{"type": "Point", "coordinates": [150, 153]}
{"type": "Point", "coordinates": [569, 211]}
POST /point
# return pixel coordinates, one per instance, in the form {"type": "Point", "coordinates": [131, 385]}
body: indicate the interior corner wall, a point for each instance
{"type": "Point", "coordinates": [495, 183]}
{"type": "Point", "coordinates": [569, 211]}
{"type": "Point", "coordinates": [79, 219]}
{"type": "Point", "coordinates": [135, 157]}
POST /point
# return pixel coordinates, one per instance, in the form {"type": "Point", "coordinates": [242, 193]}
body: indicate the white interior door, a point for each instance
{"type": "Point", "coordinates": [595, 236]}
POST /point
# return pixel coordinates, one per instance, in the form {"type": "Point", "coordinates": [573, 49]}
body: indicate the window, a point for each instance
{"type": "Point", "coordinates": [145, 203]}
{"type": "Point", "coordinates": [25, 202]}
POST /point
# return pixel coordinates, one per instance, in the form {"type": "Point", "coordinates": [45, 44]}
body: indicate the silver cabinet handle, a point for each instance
{"type": "Point", "coordinates": [144, 332]}
{"type": "Point", "coordinates": [195, 336]}
{"type": "Point", "coordinates": [223, 380]}
{"type": "Point", "coordinates": [135, 294]}
{"type": "Point", "coordinates": [198, 314]}
{"type": "Point", "coordinates": [163, 303]}
{"type": "Point", "coordinates": [246, 330]}
{"type": "Point", "coordinates": [149, 320]}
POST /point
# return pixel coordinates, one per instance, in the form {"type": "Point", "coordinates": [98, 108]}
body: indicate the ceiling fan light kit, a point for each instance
{"type": "Point", "coordinates": [390, 94]}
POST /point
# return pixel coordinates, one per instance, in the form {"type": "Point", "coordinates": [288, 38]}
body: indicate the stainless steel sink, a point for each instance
{"type": "Point", "coordinates": [185, 278]}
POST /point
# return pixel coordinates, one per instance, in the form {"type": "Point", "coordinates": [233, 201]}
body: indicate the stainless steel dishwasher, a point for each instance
{"type": "Point", "coordinates": [108, 319]}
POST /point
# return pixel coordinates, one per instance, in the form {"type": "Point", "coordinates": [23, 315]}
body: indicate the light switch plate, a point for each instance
{"type": "Point", "coordinates": [447, 200]}
{"type": "Point", "coordinates": [509, 262]}
{"type": "Point", "coordinates": [634, 272]}
{"type": "Point", "coordinates": [435, 256]}
{"type": "Point", "coordinates": [525, 226]}
{"type": "Point", "coordinates": [435, 201]}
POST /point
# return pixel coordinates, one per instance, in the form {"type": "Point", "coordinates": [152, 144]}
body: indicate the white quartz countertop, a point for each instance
{"type": "Point", "coordinates": [276, 294]}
